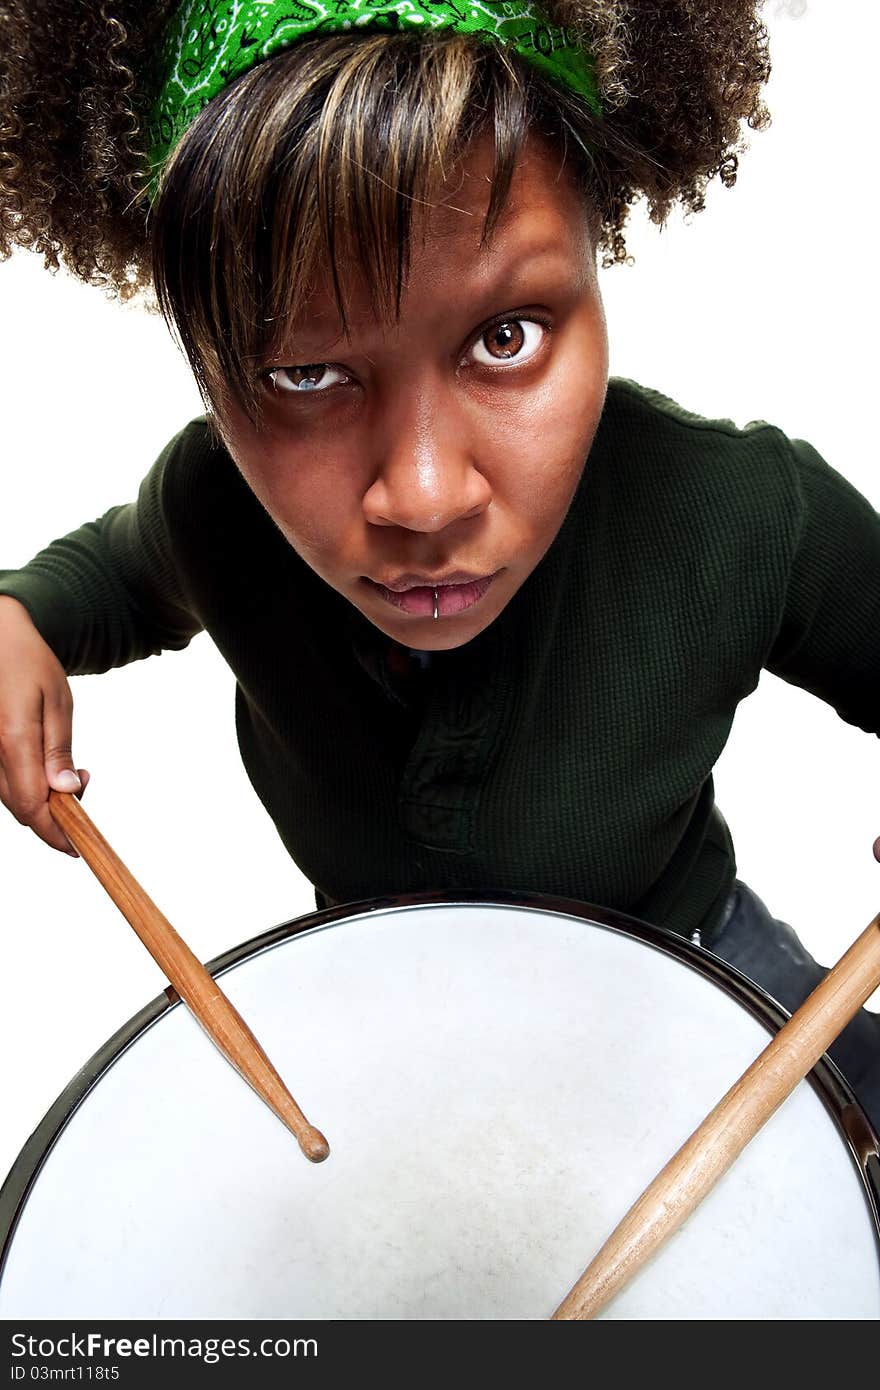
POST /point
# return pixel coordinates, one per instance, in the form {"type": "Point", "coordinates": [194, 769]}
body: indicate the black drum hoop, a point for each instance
{"type": "Point", "coordinates": [859, 1136]}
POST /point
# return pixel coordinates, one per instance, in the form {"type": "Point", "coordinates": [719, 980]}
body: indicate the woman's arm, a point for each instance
{"type": "Point", "coordinates": [103, 596]}
{"type": "Point", "coordinates": [109, 593]}
{"type": "Point", "coordinates": [828, 641]}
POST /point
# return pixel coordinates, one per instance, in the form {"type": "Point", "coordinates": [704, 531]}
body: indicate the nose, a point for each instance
{"type": "Point", "coordinates": [427, 475]}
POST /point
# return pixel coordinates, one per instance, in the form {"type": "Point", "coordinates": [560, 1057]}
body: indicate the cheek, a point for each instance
{"type": "Point", "coordinates": [549, 437]}
{"type": "Point", "coordinates": [553, 487]}
{"type": "Point", "coordinates": [573, 401]}
{"type": "Point", "coordinates": [312, 499]}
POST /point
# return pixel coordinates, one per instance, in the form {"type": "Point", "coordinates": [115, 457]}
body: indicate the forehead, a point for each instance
{"type": "Point", "coordinates": [542, 198]}
{"type": "Point", "coordinates": [544, 229]}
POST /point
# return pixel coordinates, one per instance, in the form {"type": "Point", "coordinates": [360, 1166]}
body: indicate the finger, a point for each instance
{"type": "Point", "coordinates": [41, 822]}
{"type": "Point", "coordinates": [85, 778]}
{"type": "Point", "coordinates": [21, 754]}
{"type": "Point", "coordinates": [877, 848]}
{"type": "Point", "coordinates": [57, 751]}
{"type": "Point", "coordinates": [57, 736]}
{"type": "Point", "coordinates": [25, 790]}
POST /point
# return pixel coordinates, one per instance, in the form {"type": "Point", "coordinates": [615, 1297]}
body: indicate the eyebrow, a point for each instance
{"type": "Point", "coordinates": [532, 263]}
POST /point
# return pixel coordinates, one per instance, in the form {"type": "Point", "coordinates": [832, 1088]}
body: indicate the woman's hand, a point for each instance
{"type": "Point", "coordinates": [36, 716]}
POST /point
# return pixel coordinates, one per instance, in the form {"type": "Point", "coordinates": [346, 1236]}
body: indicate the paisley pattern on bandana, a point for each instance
{"type": "Point", "coordinates": [211, 42]}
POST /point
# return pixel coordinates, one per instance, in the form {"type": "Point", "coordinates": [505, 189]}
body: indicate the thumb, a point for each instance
{"type": "Point", "coordinates": [64, 779]}
{"type": "Point", "coordinates": [57, 755]}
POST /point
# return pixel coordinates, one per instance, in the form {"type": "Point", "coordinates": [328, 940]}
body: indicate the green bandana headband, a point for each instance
{"type": "Point", "coordinates": [211, 42]}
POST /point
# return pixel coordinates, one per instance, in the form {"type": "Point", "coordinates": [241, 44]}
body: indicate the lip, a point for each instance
{"type": "Point", "coordinates": [413, 594]}
{"type": "Point", "coordinates": [402, 582]}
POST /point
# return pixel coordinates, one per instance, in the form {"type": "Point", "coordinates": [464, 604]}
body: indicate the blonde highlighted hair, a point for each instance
{"type": "Point", "coordinates": [323, 152]}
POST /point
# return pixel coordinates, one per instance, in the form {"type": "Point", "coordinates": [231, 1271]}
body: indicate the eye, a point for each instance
{"type": "Point", "coordinates": [511, 340]}
{"type": "Point", "coordinates": [313, 376]}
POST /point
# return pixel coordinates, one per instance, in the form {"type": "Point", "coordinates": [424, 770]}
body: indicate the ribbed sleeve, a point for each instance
{"type": "Point", "coordinates": [829, 636]}
{"type": "Point", "coordinates": [108, 593]}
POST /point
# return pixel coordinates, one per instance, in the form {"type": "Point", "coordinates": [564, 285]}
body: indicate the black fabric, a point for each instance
{"type": "Point", "coordinates": [566, 750]}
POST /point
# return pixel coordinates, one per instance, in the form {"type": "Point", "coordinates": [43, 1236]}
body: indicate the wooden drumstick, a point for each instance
{"type": "Point", "coordinates": [196, 987]}
{"type": "Point", "coordinates": [712, 1148]}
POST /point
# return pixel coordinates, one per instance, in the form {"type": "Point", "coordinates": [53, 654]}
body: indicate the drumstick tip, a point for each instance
{"type": "Point", "coordinates": [313, 1144]}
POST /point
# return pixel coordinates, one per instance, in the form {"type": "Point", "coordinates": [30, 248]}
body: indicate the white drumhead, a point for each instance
{"type": "Point", "coordinates": [497, 1085]}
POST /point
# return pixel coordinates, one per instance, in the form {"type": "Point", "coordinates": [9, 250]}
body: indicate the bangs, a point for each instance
{"type": "Point", "coordinates": [313, 163]}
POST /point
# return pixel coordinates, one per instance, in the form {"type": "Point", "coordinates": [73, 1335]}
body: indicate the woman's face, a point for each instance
{"type": "Point", "coordinates": [441, 451]}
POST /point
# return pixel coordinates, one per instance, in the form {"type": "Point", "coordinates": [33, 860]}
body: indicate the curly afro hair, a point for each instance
{"type": "Point", "coordinates": [679, 81]}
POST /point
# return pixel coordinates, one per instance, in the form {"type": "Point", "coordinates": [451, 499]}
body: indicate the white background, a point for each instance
{"type": "Point", "coordinates": [766, 306]}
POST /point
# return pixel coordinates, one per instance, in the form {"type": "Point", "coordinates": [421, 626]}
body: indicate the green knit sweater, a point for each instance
{"type": "Point", "coordinates": [568, 749]}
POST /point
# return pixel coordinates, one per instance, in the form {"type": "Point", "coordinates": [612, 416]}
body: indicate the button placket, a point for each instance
{"type": "Point", "coordinates": [441, 785]}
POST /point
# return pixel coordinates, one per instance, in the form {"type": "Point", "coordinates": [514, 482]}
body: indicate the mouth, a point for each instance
{"type": "Point", "coordinates": [415, 594]}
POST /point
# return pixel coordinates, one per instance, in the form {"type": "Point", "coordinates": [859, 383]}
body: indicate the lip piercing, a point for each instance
{"type": "Point", "coordinates": [436, 605]}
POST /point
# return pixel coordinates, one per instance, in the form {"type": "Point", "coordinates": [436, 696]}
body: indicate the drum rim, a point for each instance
{"type": "Point", "coordinates": [838, 1098]}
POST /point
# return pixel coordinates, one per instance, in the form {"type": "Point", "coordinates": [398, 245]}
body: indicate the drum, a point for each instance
{"type": "Point", "coordinates": [498, 1081]}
